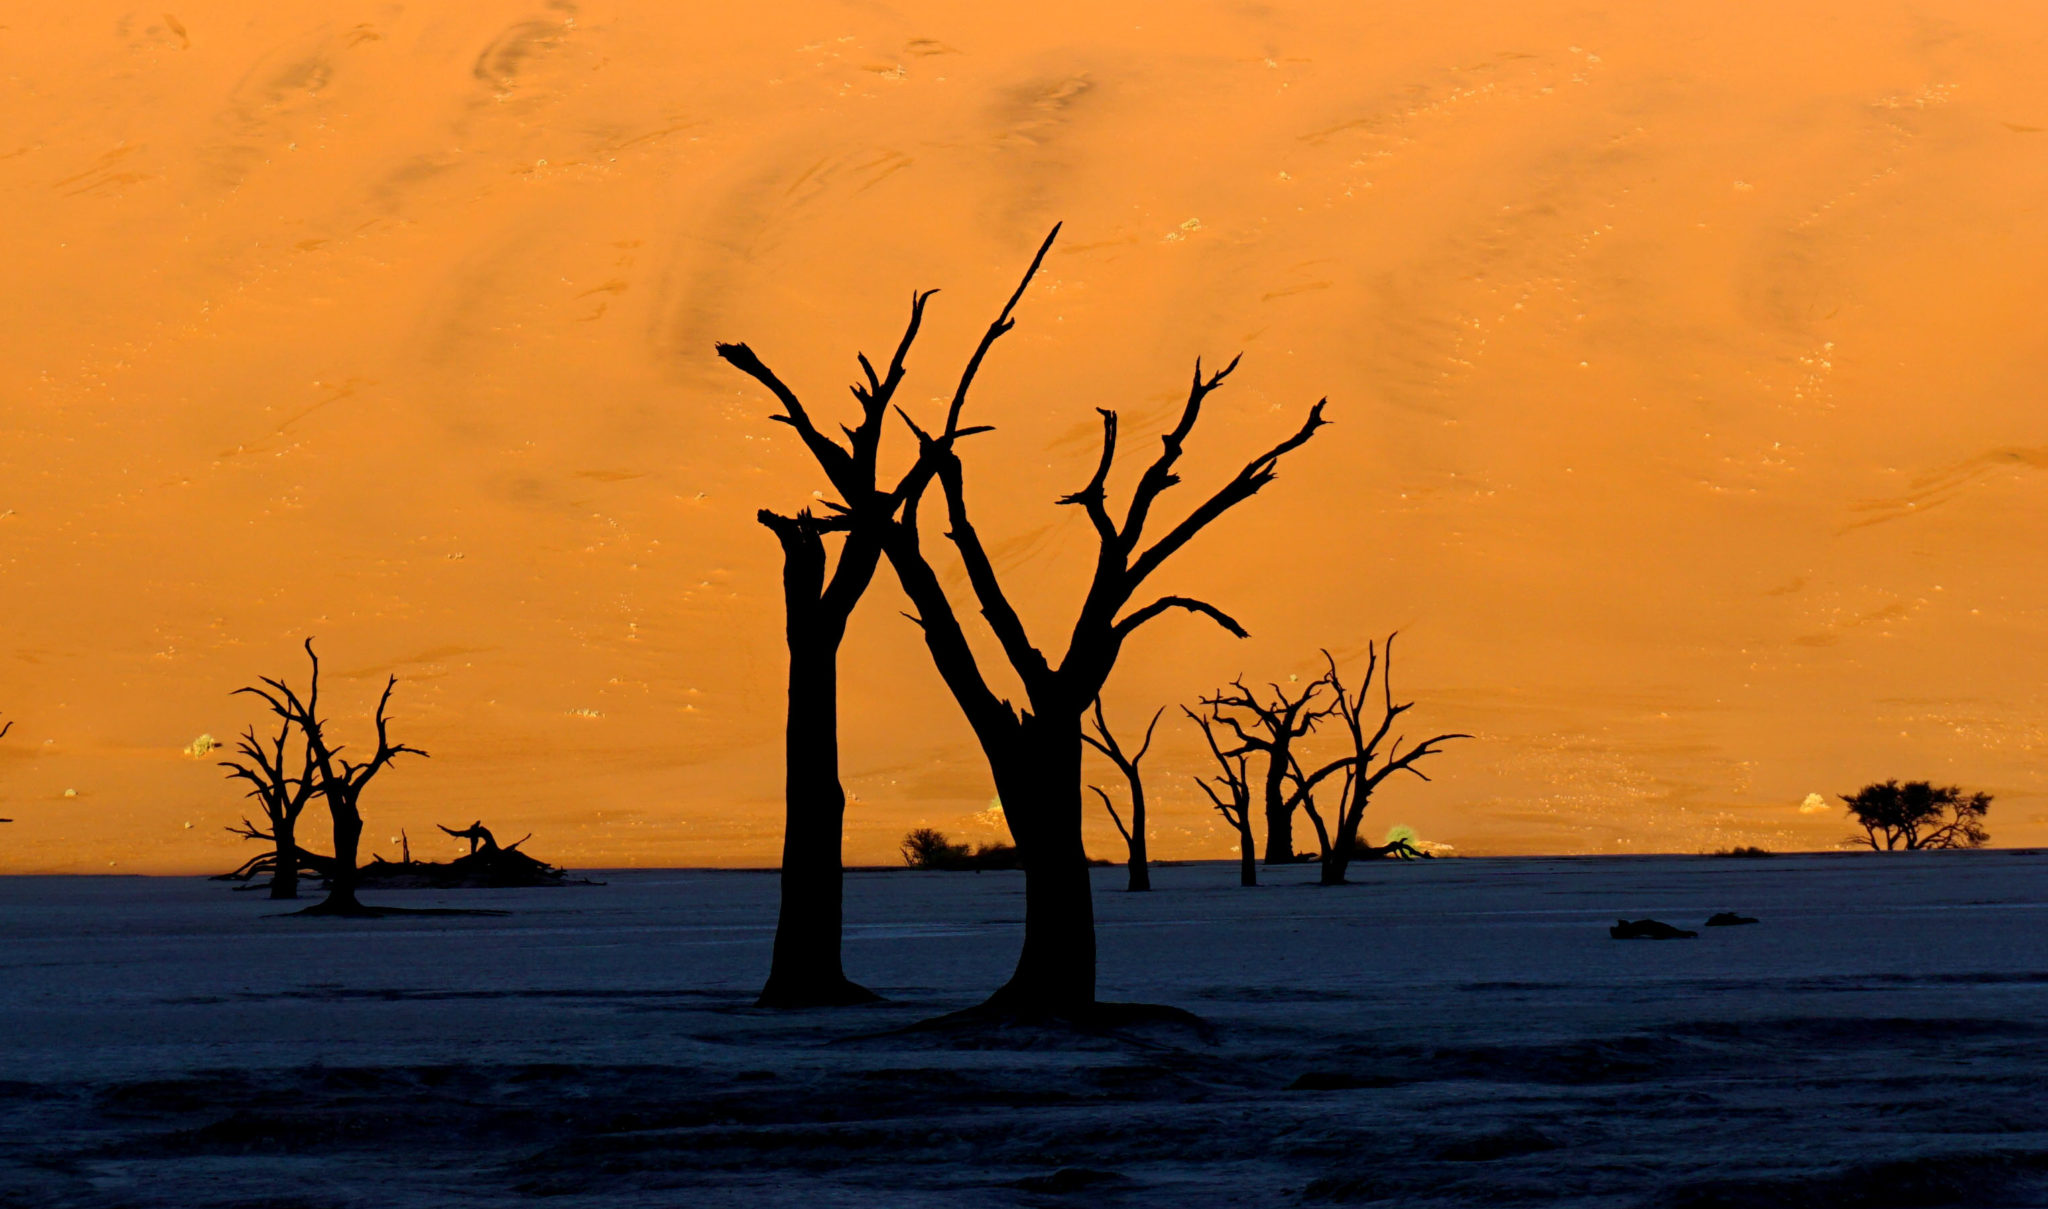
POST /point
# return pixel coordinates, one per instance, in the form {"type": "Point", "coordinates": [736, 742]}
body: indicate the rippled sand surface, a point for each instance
{"type": "Point", "coordinates": [1686, 365]}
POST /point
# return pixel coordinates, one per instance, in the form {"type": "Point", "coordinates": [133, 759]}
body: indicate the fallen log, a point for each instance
{"type": "Point", "coordinates": [488, 865]}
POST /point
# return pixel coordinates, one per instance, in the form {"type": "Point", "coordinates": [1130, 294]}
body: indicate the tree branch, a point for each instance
{"type": "Point", "coordinates": [1159, 475]}
{"type": "Point", "coordinates": [1113, 816]}
{"type": "Point", "coordinates": [839, 464]}
{"type": "Point", "coordinates": [1128, 625]}
{"type": "Point", "coordinates": [1002, 324]}
{"type": "Point", "coordinates": [1002, 617]}
{"type": "Point", "coordinates": [1094, 497]}
{"type": "Point", "coordinates": [1247, 483]}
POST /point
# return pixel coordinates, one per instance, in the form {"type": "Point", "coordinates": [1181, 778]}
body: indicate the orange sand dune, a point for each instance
{"type": "Point", "coordinates": [1686, 364]}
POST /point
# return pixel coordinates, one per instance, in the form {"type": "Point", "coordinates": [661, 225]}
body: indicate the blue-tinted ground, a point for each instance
{"type": "Point", "coordinates": [1456, 1032]}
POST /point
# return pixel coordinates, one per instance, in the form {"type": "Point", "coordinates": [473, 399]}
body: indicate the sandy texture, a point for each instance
{"type": "Point", "coordinates": [1444, 1033]}
{"type": "Point", "coordinates": [1685, 363]}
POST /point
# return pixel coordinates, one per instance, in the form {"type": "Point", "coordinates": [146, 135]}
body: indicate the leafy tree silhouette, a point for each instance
{"type": "Point", "coordinates": [1918, 814]}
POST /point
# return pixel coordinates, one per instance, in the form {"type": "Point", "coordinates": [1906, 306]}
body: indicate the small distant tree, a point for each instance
{"type": "Point", "coordinates": [1134, 835]}
{"type": "Point", "coordinates": [281, 796]}
{"type": "Point", "coordinates": [1365, 768]}
{"type": "Point", "coordinates": [341, 782]}
{"type": "Point", "coordinates": [1231, 795]}
{"type": "Point", "coordinates": [1918, 814]}
{"type": "Point", "coordinates": [1271, 728]}
{"type": "Point", "coordinates": [4, 728]}
{"type": "Point", "coordinates": [928, 848]}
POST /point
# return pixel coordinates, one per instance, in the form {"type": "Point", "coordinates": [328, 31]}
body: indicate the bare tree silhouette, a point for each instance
{"type": "Point", "coordinates": [1134, 835]}
{"type": "Point", "coordinates": [1234, 801]}
{"type": "Point", "coordinates": [1271, 730]}
{"type": "Point", "coordinates": [4, 728]}
{"type": "Point", "coordinates": [341, 781]}
{"type": "Point", "coordinates": [1360, 775]}
{"type": "Point", "coordinates": [1034, 753]}
{"type": "Point", "coordinates": [806, 968]}
{"type": "Point", "coordinates": [282, 797]}
{"type": "Point", "coordinates": [1918, 815]}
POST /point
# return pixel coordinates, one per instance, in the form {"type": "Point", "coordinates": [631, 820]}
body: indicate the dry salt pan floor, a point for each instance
{"type": "Point", "coordinates": [1455, 1032]}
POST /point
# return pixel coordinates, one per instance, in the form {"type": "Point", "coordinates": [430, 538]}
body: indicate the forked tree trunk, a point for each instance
{"type": "Point", "coordinates": [806, 970]}
{"type": "Point", "coordinates": [284, 880]}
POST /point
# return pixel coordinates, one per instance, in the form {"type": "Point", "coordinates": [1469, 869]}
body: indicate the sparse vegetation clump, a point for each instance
{"type": "Point", "coordinates": [928, 848]}
{"type": "Point", "coordinates": [1918, 815]}
{"type": "Point", "coordinates": [1743, 851]}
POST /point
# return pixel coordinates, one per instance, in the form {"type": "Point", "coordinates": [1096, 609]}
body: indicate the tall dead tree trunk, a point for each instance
{"type": "Point", "coordinates": [1034, 753]}
{"type": "Point", "coordinates": [4, 728]}
{"type": "Point", "coordinates": [806, 968]}
{"type": "Point", "coordinates": [341, 782]}
{"type": "Point", "coordinates": [1102, 740]}
{"type": "Point", "coordinates": [1274, 728]}
{"type": "Point", "coordinates": [1234, 802]}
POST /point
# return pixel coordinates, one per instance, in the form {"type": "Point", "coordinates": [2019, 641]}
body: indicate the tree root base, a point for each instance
{"type": "Point", "coordinates": [786, 995]}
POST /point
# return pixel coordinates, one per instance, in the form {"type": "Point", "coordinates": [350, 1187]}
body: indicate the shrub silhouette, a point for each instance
{"type": "Point", "coordinates": [928, 848]}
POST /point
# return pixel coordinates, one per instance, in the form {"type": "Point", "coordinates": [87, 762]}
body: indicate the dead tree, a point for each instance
{"type": "Point", "coordinates": [1272, 732]}
{"type": "Point", "coordinates": [1364, 768]}
{"type": "Point", "coordinates": [341, 781]}
{"type": "Point", "coordinates": [1234, 803]}
{"type": "Point", "coordinates": [1034, 753]}
{"type": "Point", "coordinates": [281, 796]}
{"type": "Point", "coordinates": [1134, 835]}
{"type": "Point", "coordinates": [806, 969]}
{"type": "Point", "coordinates": [4, 728]}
